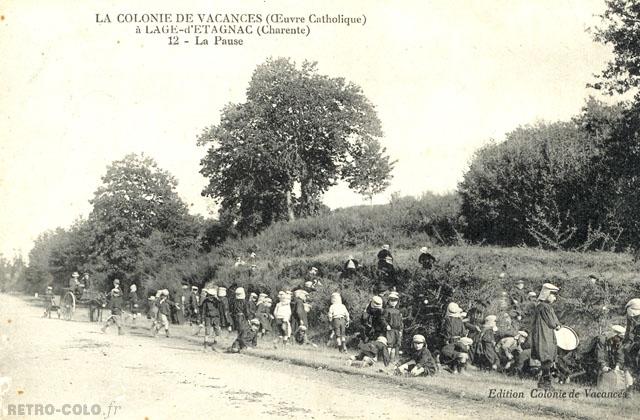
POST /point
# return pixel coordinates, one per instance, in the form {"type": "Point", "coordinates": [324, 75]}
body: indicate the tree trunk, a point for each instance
{"type": "Point", "coordinates": [290, 207]}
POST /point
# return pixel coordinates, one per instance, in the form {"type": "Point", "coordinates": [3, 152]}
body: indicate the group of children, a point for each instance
{"type": "Point", "coordinates": [464, 339]}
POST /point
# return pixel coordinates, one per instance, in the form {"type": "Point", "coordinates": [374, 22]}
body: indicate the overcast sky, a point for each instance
{"type": "Point", "coordinates": [445, 76]}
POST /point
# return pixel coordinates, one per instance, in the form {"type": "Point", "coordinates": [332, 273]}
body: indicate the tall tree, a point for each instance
{"type": "Point", "coordinates": [138, 199]}
{"type": "Point", "coordinates": [621, 30]}
{"type": "Point", "coordinates": [297, 130]}
{"type": "Point", "coordinates": [371, 172]}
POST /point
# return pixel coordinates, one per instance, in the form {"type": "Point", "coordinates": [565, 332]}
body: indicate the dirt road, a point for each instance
{"type": "Point", "coordinates": [71, 365]}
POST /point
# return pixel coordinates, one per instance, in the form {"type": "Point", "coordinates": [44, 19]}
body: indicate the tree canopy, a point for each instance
{"type": "Point", "coordinates": [297, 134]}
{"type": "Point", "coordinates": [621, 30]}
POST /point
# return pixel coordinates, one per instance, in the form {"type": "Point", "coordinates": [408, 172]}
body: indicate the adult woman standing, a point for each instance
{"type": "Point", "coordinates": [543, 339]}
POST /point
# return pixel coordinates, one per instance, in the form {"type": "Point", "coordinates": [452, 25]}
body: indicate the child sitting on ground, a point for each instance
{"type": "Point", "coordinates": [370, 353]}
{"type": "Point", "coordinates": [419, 361]}
{"type": "Point", "coordinates": [456, 355]}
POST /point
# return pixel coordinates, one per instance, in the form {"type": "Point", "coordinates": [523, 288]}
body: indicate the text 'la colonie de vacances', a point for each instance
{"type": "Point", "coordinates": [225, 29]}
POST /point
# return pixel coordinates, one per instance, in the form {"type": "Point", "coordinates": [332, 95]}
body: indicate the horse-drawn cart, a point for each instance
{"type": "Point", "coordinates": [72, 298]}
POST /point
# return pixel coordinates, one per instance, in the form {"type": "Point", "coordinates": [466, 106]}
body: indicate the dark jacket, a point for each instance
{"type": "Point", "coordinates": [252, 308]}
{"type": "Point", "coordinates": [164, 307]}
{"type": "Point", "coordinates": [193, 302]}
{"type": "Point", "coordinates": [393, 317]}
{"type": "Point", "coordinates": [375, 319]}
{"type": "Point", "coordinates": [543, 338]}
{"type": "Point", "coordinates": [115, 304]}
{"type": "Point", "coordinates": [263, 313]}
{"type": "Point", "coordinates": [449, 353]}
{"type": "Point", "coordinates": [239, 314]}
{"type": "Point", "coordinates": [298, 314]}
{"type": "Point", "coordinates": [423, 359]}
{"type": "Point", "coordinates": [225, 315]}
{"type": "Point", "coordinates": [484, 351]}
{"type": "Point", "coordinates": [375, 349]}
{"type": "Point", "coordinates": [426, 260]}
{"type": "Point", "coordinates": [452, 329]}
{"type": "Point", "coordinates": [210, 308]}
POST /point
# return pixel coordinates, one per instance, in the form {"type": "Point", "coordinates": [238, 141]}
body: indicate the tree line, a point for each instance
{"type": "Point", "coordinates": [559, 185]}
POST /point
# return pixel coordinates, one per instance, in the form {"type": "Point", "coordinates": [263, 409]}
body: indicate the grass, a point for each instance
{"type": "Point", "coordinates": [475, 386]}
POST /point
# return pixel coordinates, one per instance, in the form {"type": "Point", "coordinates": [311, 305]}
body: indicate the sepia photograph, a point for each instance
{"type": "Point", "coordinates": [279, 209]}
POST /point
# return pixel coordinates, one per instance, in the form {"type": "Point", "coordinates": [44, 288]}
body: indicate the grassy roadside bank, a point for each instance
{"type": "Point", "coordinates": [475, 387]}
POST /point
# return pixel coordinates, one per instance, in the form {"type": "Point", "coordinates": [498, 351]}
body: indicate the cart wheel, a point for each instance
{"type": "Point", "coordinates": [68, 306]}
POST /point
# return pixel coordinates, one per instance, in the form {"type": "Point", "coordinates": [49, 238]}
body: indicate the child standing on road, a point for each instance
{"type": "Point", "coordinates": [247, 337]}
{"type": "Point", "coordinates": [210, 312]}
{"type": "Point", "coordinates": [133, 302]}
{"type": "Point", "coordinates": [339, 319]}
{"type": "Point", "coordinates": [282, 315]}
{"type": "Point", "coordinates": [115, 304]}
{"type": "Point", "coordinates": [164, 312]}
{"type": "Point", "coordinates": [48, 302]}
{"type": "Point", "coordinates": [240, 310]}
{"type": "Point", "coordinates": [263, 313]}
{"type": "Point", "coordinates": [225, 314]}
{"type": "Point", "coordinates": [393, 317]}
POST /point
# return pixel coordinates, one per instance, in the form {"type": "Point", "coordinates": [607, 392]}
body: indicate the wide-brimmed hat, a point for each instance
{"type": "Point", "coordinates": [194, 288]}
{"type": "Point", "coordinates": [619, 330]}
{"type": "Point", "coordinates": [522, 334]}
{"type": "Point", "coordinates": [383, 340]}
{"type": "Point", "coordinates": [418, 338]}
{"type": "Point", "coordinates": [547, 290]}
{"type": "Point", "coordinates": [490, 321]}
{"type": "Point", "coordinates": [255, 321]}
{"type": "Point", "coordinates": [301, 294]}
{"type": "Point", "coordinates": [453, 310]}
{"type": "Point", "coordinates": [466, 341]}
{"type": "Point", "coordinates": [376, 302]}
{"type": "Point", "coordinates": [394, 296]}
{"type": "Point", "coordinates": [75, 274]}
{"type": "Point", "coordinates": [633, 307]}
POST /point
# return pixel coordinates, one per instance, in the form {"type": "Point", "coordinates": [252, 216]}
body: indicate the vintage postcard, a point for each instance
{"type": "Point", "coordinates": [319, 209]}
